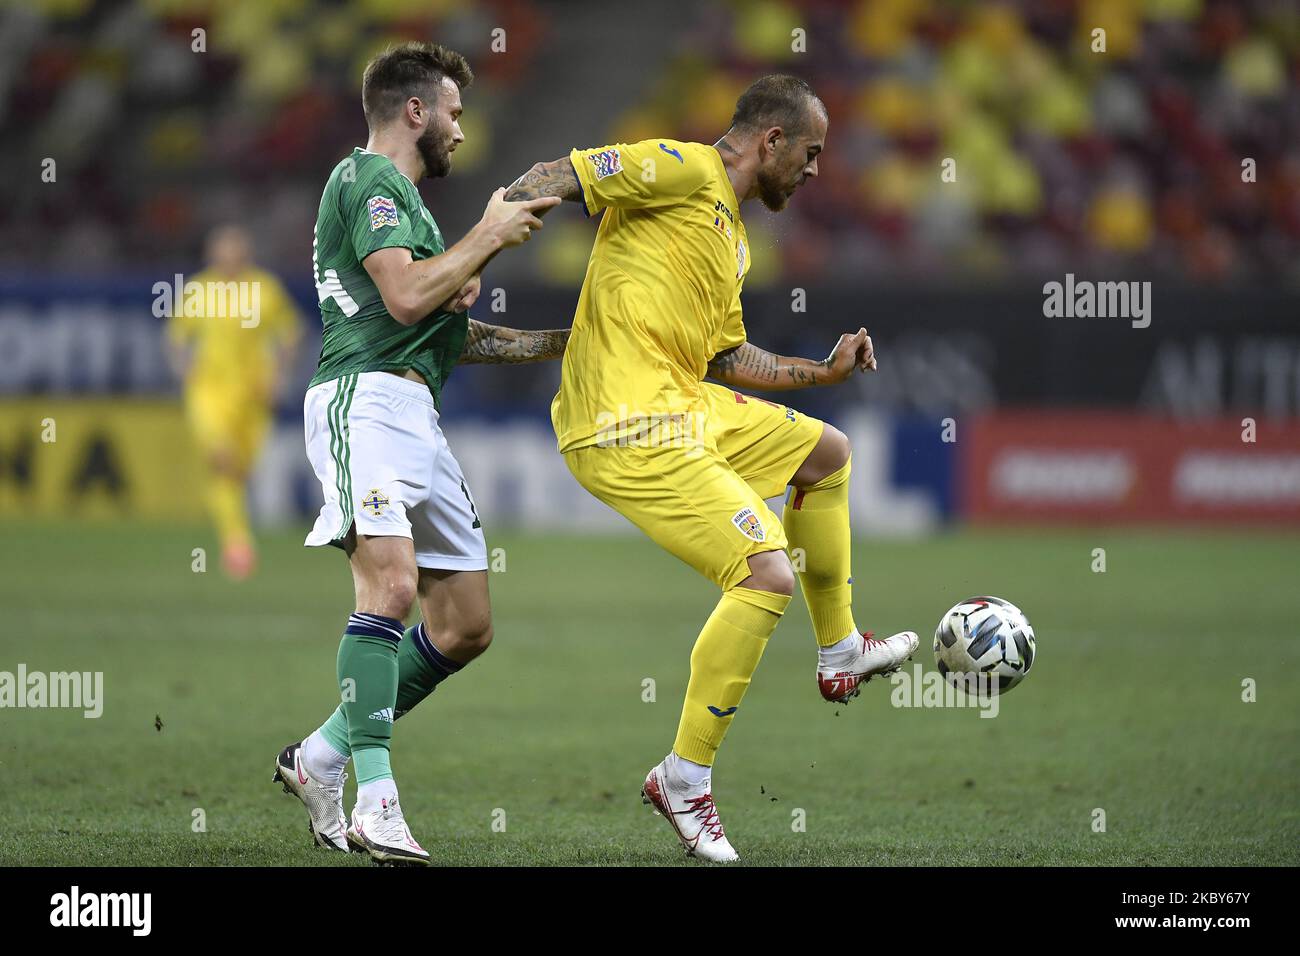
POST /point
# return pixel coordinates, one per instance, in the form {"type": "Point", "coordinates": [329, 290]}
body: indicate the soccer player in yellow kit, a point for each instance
{"type": "Point", "coordinates": [690, 462]}
{"type": "Point", "coordinates": [230, 350]}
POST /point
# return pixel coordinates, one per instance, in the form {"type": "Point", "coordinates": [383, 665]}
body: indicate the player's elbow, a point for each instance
{"type": "Point", "coordinates": [404, 309]}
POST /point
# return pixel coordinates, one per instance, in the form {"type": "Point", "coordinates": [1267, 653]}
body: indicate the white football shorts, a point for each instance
{"type": "Point", "coordinates": [384, 466]}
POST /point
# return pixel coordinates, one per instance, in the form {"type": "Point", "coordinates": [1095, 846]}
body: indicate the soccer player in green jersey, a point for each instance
{"type": "Point", "coordinates": [393, 303]}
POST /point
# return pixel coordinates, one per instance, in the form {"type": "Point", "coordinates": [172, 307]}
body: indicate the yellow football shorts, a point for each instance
{"type": "Point", "coordinates": [227, 421]}
{"type": "Point", "coordinates": [697, 487]}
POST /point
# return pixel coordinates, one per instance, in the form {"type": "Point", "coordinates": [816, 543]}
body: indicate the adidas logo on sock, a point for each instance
{"type": "Point", "coordinates": [386, 715]}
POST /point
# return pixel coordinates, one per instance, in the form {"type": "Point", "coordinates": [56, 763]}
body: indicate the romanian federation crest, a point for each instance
{"type": "Point", "coordinates": [748, 524]}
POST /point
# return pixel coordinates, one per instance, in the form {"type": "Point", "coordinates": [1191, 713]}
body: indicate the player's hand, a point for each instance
{"type": "Point", "coordinates": [852, 351]}
{"type": "Point", "coordinates": [514, 222]}
{"type": "Point", "coordinates": [466, 297]}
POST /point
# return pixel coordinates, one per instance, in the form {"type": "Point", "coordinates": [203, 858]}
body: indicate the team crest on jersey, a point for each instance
{"type": "Point", "coordinates": [740, 259]}
{"type": "Point", "coordinates": [748, 524]}
{"type": "Point", "coordinates": [375, 502]}
{"type": "Point", "coordinates": [383, 212]}
{"type": "Point", "coordinates": [607, 162]}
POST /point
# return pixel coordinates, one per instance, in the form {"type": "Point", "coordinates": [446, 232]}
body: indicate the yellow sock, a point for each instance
{"type": "Point", "coordinates": [226, 501]}
{"type": "Point", "coordinates": [816, 520]}
{"type": "Point", "coordinates": [724, 659]}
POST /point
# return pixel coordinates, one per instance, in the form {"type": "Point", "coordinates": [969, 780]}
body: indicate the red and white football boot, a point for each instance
{"type": "Point", "coordinates": [691, 812]}
{"type": "Point", "coordinates": [841, 684]}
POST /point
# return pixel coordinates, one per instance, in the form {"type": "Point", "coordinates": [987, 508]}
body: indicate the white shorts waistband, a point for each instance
{"type": "Point", "coordinates": [396, 384]}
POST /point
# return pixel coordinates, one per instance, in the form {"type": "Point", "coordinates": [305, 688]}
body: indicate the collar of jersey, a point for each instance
{"type": "Point", "coordinates": [726, 180]}
{"type": "Point", "coordinates": [362, 149]}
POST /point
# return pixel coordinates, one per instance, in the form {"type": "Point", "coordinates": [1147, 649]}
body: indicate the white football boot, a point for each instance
{"type": "Point", "coordinates": [841, 684]}
{"type": "Point", "coordinates": [324, 802]}
{"type": "Point", "coordinates": [691, 812]}
{"type": "Point", "coordinates": [383, 834]}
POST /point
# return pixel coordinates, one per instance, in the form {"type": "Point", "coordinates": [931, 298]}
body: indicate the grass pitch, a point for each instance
{"type": "Point", "coordinates": [1134, 707]}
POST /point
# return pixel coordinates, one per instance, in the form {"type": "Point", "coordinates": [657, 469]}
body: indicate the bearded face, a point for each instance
{"type": "Point", "coordinates": [435, 146]}
{"type": "Point", "coordinates": [792, 162]}
{"type": "Point", "coordinates": [775, 187]}
{"type": "Point", "coordinates": [442, 134]}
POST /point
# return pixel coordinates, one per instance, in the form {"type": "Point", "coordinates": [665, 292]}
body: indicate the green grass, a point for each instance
{"type": "Point", "coordinates": [1134, 706]}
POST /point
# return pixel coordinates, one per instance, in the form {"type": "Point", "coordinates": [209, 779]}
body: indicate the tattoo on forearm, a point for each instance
{"type": "Point", "coordinates": [747, 364]}
{"type": "Point", "coordinates": [496, 345]}
{"type": "Point", "coordinates": [546, 179]}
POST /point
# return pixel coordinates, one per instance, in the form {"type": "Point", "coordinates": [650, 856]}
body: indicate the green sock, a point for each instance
{"type": "Point", "coordinates": [371, 764]}
{"type": "Point", "coordinates": [420, 669]}
{"type": "Point", "coordinates": [335, 731]}
{"type": "Point", "coordinates": [367, 673]}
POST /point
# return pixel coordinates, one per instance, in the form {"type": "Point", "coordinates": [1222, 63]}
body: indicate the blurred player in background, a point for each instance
{"type": "Point", "coordinates": [688, 462]}
{"type": "Point", "coordinates": [232, 362]}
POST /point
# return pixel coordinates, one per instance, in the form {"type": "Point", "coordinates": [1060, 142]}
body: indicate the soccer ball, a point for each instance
{"type": "Point", "coordinates": [984, 636]}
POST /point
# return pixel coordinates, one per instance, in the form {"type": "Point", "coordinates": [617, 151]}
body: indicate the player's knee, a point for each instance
{"type": "Point", "coordinates": [224, 462]}
{"type": "Point", "coordinates": [838, 449]}
{"type": "Point", "coordinates": [771, 572]}
{"type": "Point", "coordinates": [392, 595]}
{"type": "Point", "coordinates": [466, 641]}
{"type": "Point", "coordinates": [476, 639]}
{"type": "Point", "coordinates": [829, 455]}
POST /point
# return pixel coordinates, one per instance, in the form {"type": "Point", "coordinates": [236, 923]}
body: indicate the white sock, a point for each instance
{"type": "Point", "coordinates": [321, 760]}
{"type": "Point", "coordinates": [688, 771]}
{"type": "Point", "coordinates": [370, 796]}
{"type": "Point", "coordinates": [843, 651]}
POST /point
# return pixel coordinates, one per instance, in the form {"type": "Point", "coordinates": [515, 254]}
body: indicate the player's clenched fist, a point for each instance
{"type": "Point", "coordinates": [852, 351]}
{"type": "Point", "coordinates": [514, 222]}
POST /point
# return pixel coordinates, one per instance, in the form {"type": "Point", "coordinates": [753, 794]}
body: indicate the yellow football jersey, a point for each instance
{"type": "Point", "coordinates": [234, 331]}
{"type": "Point", "coordinates": [662, 292]}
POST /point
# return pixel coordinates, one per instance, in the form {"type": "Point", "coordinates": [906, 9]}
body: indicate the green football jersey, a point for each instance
{"type": "Point", "coordinates": [368, 205]}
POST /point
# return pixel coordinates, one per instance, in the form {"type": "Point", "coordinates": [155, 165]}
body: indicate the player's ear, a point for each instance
{"type": "Point", "coordinates": [772, 139]}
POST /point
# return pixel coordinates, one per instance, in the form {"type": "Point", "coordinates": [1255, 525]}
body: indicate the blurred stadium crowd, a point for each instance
{"type": "Point", "coordinates": [1066, 158]}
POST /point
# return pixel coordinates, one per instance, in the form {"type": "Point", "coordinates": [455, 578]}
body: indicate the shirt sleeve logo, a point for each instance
{"type": "Point", "coordinates": [383, 212]}
{"type": "Point", "coordinates": [607, 162]}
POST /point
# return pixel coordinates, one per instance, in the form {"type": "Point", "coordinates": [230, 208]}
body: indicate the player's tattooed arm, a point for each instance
{"type": "Point", "coordinates": [749, 366]}
{"type": "Point", "coordinates": [555, 178]}
{"type": "Point", "coordinates": [498, 345]}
